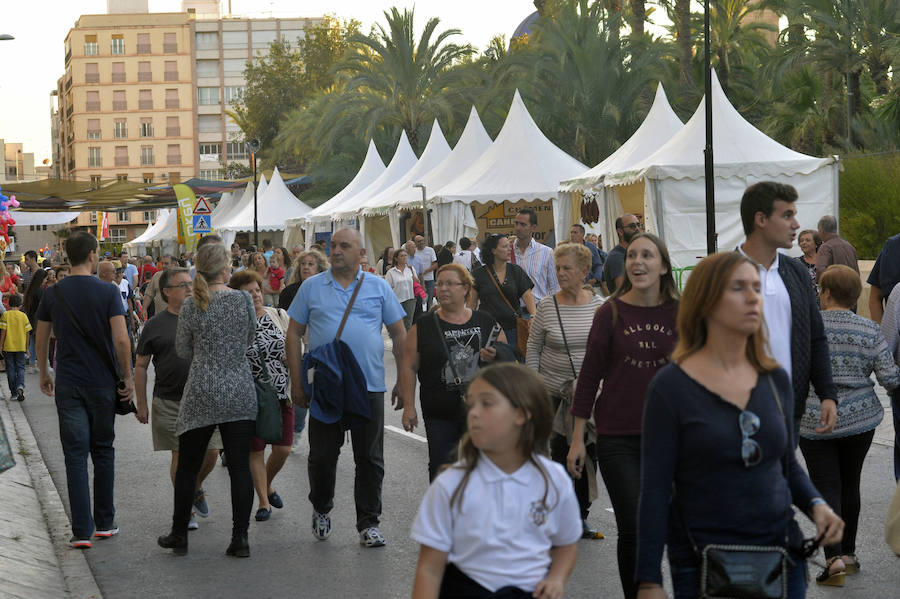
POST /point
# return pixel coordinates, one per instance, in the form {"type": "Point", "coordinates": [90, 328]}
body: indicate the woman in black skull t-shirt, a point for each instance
{"type": "Point", "coordinates": [460, 333]}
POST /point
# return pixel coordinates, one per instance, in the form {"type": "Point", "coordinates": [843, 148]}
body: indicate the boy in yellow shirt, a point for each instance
{"type": "Point", "coordinates": [14, 329]}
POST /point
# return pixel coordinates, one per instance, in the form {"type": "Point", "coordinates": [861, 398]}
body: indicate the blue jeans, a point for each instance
{"type": "Point", "coordinates": [299, 419]}
{"type": "Point", "coordinates": [429, 289]}
{"type": "Point", "coordinates": [15, 370]}
{"type": "Point", "coordinates": [686, 580]}
{"type": "Point", "coordinates": [443, 441]}
{"type": "Point", "coordinates": [32, 352]}
{"type": "Point", "coordinates": [87, 426]}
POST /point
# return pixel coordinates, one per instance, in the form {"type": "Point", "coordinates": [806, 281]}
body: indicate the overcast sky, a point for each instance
{"type": "Point", "coordinates": [33, 62]}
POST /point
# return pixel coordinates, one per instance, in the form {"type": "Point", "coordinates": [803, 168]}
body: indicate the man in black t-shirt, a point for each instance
{"type": "Point", "coordinates": [627, 226]}
{"type": "Point", "coordinates": [158, 342]}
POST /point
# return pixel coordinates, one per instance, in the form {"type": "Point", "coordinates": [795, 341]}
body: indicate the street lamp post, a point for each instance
{"type": "Point", "coordinates": [424, 212]}
{"type": "Point", "coordinates": [708, 151]}
{"type": "Point", "coordinates": [253, 148]}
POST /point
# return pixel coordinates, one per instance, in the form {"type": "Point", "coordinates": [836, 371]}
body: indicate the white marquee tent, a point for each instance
{"type": "Point", "coordinates": [138, 244]}
{"type": "Point", "coordinates": [673, 180]}
{"type": "Point", "coordinates": [319, 218]}
{"type": "Point", "coordinates": [521, 164]}
{"type": "Point", "coordinates": [274, 206]}
{"type": "Point", "coordinates": [659, 126]}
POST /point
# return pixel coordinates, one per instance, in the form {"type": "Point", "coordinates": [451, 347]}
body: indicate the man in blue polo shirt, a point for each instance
{"type": "Point", "coordinates": [317, 309]}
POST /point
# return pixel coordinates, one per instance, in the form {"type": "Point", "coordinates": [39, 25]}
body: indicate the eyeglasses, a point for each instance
{"type": "Point", "coordinates": [751, 452]}
{"type": "Point", "coordinates": [632, 226]}
{"type": "Point", "coordinates": [440, 284]}
{"type": "Point", "coordinates": [184, 286]}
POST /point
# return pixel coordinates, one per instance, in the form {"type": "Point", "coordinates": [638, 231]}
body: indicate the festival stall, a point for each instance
{"type": "Point", "coordinates": [138, 245]}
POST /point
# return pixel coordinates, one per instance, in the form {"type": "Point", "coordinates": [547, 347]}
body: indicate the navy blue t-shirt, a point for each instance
{"type": "Point", "coordinates": [93, 302]}
{"type": "Point", "coordinates": [886, 271]}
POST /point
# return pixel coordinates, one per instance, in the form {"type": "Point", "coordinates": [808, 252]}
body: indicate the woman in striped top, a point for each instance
{"type": "Point", "coordinates": [835, 459]}
{"type": "Point", "coordinates": [563, 319]}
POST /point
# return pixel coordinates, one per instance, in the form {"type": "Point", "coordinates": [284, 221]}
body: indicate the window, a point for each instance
{"type": "Point", "coordinates": [145, 99]}
{"type": "Point", "coordinates": [91, 72]}
{"type": "Point", "coordinates": [143, 43]}
{"type": "Point", "coordinates": [146, 155]}
{"type": "Point", "coordinates": [262, 39]}
{"type": "Point", "coordinates": [233, 93]}
{"type": "Point", "coordinates": [292, 35]}
{"type": "Point", "coordinates": [230, 125]}
{"type": "Point", "coordinates": [171, 98]}
{"type": "Point", "coordinates": [234, 66]}
{"type": "Point", "coordinates": [174, 178]}
{"type": "Point", "coordinates": [207, 96]}
{"type": "Point", "coordinates": [207, 40]}
{"type": "Point", "coordinates": [173, 129]}
{"type": "Point", "coordinates": [93, 102]}
{"type": "Point", "coordinates": [210, 152]}
{"type": "Point", "coordinates": [120, 131]}
{"type": "Point", "coordinates": [212, 174]}
{"type": "Point", "coordinates": [148, 215]}
{"type": "Point", "coordinates": [119, 102]}
{"type": "Point", "coordinates": [208, 123]}
{"type": "Point", "coordinates": [94, 157]}
{"type": "Point", "coordinates": [207, 68]}
{"type": "Point", "coordinates": [147, 178]}
{"type": "Point", "coordinates": [94, 214]}
{"type": "Point", "coordinates": [146, 127]}
{"type": "Point", "coordinates": [234, 39]}
{"type": "Point", "coordinates": [144, 73]}
{"type": "Point", "coordinates": [173, 154]}
{"type": "Point", "coordinates": [118, 234]}
{"type": "Point", "coordinates": [121, 177]}
{"type": "Point", "coordinates": [122, 157]}
{"type": "Point", "coordinates": [169, 44]}
{"type": "Point", "coordinates": [118, 72]}
{"type": "Point", "coordinates": [124, 216]}
{"type": "Point", "coordinates": [90, 45]}
{"type": "Point", "coordinates": [171, 70]}
{"type": "Point", "coordinates": [236, 150]}
{"type": "Point", "coordinates": [118, 43]}
{"type": "Point", "coordinates": [93, 129]}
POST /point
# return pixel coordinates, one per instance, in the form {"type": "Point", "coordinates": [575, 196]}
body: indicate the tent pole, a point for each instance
{"type": "Point", "coordinates": [428, 237]}
{"type": "Point", "coordinates": [708, 150]}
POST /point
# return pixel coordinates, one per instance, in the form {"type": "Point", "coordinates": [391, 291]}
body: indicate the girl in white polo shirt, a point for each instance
{"type": "Point", "coordinates": [505, 517]}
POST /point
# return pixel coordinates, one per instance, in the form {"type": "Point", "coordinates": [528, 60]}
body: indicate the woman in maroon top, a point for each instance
{"type": "Point", "coordinates": [631, 338]}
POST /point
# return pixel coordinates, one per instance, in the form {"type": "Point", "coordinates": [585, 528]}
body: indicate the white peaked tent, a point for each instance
{"type": "Point", "coordinates": [521, 164]}
{"type": "Point", "coordinates": [138, 244]}
{"type": "Point", "coordinates": [375, 225]}
{"type": "Point", "coordinates": [223, 215]}
{"type": "Point", "coordinates": [319, 218]}
{"type": "Point", "coordinates": [226, 203]}
{"type": "Point", "coordinates": [165, 235]}
{"type": "Point", "coordinates": [274, 206]}
{"type": "Point", "coordinates": [659, 126]}
{"type": "Point", "coordinates": [673, 180]}
{"type": "Point", "coordinates": [452, 220]}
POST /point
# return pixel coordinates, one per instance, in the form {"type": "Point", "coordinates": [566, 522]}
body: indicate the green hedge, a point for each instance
{"type": "Point", "coordinates": [870, 201]}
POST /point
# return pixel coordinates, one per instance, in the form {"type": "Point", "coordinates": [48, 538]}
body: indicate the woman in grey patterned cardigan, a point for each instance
{"type": "Point", "coordinates": [835, 459]}
{"type": "Point", "coordinates": [219, 392]}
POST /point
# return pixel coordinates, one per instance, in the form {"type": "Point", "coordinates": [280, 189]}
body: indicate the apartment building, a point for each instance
{"type": "Point", "coordinates": [17, 165]}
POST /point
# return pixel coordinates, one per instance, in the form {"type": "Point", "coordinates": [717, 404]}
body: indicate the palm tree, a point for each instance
{"type": "Point", "coordinates": [391, 79]}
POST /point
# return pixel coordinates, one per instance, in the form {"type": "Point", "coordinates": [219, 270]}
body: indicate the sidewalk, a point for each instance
{"type": "Point", "coordinates": [36, 561]}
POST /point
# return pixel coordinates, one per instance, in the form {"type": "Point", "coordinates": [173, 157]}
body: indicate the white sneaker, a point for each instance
{"type": "Point", "coordinates": [371, 537]}
{"type": "Point", "coordinates": [193, 525]}
{"type": "Point", "coordinates": [321, 525]}
{"type": "Point", "coordinates": [295, 446]}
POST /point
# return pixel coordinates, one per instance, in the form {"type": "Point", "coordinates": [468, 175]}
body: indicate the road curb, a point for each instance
{"type": "Point", "coordinates": [76, 572]}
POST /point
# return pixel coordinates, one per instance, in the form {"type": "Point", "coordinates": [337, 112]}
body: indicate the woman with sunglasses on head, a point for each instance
{"type": "Point", "coordinates": [631, 338]}
{"type": "Point", "coordinates": [717, 429]}
{"type": "Point", "coordinates": [500, 286]}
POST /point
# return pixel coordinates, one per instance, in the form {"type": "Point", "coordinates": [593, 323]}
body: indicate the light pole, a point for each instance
{"type": "Point", "coordinates": [424, 213]}
{"type": "Point", "coordinates": [253, 148]}
{"type": "Point", "coordinates": [708, 151]}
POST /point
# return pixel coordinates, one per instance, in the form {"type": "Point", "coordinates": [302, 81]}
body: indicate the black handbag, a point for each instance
{"type": "Point", "coordinates": [743, 571]}
{"type": "Point", "coordinates": [268, 411]}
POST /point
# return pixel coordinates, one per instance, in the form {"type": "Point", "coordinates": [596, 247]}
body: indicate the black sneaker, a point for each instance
{"type": "Point", "coordinates": [20, 395]}
{"type": "Point", "coordinates": [79, 543]}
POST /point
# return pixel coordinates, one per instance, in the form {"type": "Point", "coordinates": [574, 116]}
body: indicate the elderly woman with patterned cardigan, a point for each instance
{"type": "Point", "coordinates": [835, 459]}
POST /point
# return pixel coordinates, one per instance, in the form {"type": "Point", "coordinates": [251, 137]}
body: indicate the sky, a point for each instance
{"type": "Point", "coordinates": [31, 64]}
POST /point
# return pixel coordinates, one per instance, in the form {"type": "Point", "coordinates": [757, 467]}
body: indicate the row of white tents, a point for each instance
{"type": "Point", "coordinates": [658, 173]}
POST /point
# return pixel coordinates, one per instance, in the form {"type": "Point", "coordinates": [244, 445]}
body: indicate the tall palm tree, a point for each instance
{"type": "Point", "coordinates": [392, 79]}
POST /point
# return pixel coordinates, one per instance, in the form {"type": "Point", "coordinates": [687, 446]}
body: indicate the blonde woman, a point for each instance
{"type": "Point", "coordinates": [219, 392]}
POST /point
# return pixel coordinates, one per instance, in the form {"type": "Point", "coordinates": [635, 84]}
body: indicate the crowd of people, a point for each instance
{"type": "Point", "coordinates": [540, 372]}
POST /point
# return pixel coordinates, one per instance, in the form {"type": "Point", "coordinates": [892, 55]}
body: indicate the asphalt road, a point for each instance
{"type": "Point", "coordinates": [287, 561]}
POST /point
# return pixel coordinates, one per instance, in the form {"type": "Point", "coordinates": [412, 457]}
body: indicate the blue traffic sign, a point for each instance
{"type": "Point", "coordinates": [202, 223]}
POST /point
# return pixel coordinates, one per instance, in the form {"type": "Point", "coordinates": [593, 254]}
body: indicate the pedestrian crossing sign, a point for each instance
{"type": "Point", "coordinates": [202, 207]}
{"type": "Point", "coordinates": [202, 223]}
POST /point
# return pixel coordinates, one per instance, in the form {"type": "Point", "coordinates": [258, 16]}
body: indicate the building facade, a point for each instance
{"type": "Point", "coordinates": [17, 164]}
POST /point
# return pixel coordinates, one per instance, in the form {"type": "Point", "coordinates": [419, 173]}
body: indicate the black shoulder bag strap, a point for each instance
{"type": "Point", "coordinates": [101, 353]}
{"type": "Point", "coordinates": [349, 306]}
{"type": "Point", "coordinates": [496, 281]}
{"type": "Point", "coordinates": [562, 330]}
{"type": "Point", "coordinates": [443, 342]}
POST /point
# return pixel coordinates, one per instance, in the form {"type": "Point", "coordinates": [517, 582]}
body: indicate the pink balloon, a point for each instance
{"type": "Point", "coordinates": [13, 202]}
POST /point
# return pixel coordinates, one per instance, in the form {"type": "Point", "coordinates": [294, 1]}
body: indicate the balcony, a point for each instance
{"type": "Point", "coordinates": [173, 159]}
{"type": "Point", "coordinates": [121, 160]}
{"type": "Point", "coordinates": [68, 56]}
{"type": "Point", "coordinates": [145, 76]}
{"type": "Point", "coordinates": [172, 104]}
{"type": "Point", "coordinates": [170, 48]}
{"type": "Point", "coordinates": [120, 105]}
{"type": "Point", "coordinates": [173, 131]}
{"type": "Point", "coordinates": [145, 104]}
{"type": "Point", "coordinates": [88, 78]}
{"type": "Point", "coordinates": [171, 76]}
{"type": "Point", "coordinates": [143, 48]}
{"type": "Point", "coordinates": [90, 107]}
{"type": "Point", "coordinates": [118, 77]}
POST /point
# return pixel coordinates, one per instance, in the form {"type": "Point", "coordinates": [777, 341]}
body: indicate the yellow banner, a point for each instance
{"type": "Point", "coordinates": [186, 203]}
